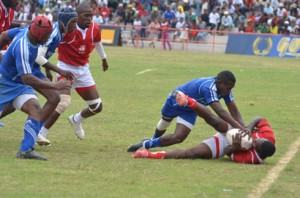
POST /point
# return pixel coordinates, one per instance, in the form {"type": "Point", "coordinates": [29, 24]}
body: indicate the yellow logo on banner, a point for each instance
{"type": "Point", "coordinates": [286, 46]}
{"type": "Point", "coordinates": [107, 36]}
{"type": "Point", "coordinates": [265, 51]}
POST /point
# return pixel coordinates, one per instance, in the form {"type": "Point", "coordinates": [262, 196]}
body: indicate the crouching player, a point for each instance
{"type": "Point", "coordinates": [217, 146]}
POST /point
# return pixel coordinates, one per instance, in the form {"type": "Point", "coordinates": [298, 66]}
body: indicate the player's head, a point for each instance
{"type": "Point", "coordinates": [41, 28]}
{"type": "Point", "coordinates": [68, 19]}
{"type": "Point", "coordinates": [85, 15]}
{"type": "Point", "coordinates": [264, 147]}
{"type": "Point", "coordinates": [14, 4]}
{"type": "Point", "coordinates": [225, 82]}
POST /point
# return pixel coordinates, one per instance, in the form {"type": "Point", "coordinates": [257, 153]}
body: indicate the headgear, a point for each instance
{"type": "Point", "coordinates": [65, 15]}
{"type": "Point", "coordinates": [40, 26]}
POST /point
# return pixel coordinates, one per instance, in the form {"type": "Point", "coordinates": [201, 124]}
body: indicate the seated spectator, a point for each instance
{"type": "Point", "coordinates": [97, 18]}
{"type": "Point", "coordinates": [214, 19]}
{"type": "Point", "coordinates": [281, 10]}
{"type": "Point", "coordinates": [120, 14]}
{"type": "Point", "coordinates": [242, 27]}
{"type": "Point", "coordinates": [179, 26]}
{"type": "Point", "coordinates": [286, 29]}
{"type": "Point", "coordinates": [105, 12]}
{"type": "Point", "coordinates": [226, 23]}
{"type": "Point", "coordinates": [201, 26]}
{"type": "Point", "coordinates": [263, 28]}
{"type": "Point", "coordinates": [268, 9]}
{"type": "Point", "coordinates": [273, 28]}
{"type": "Point", "coordinates": [193, 30]}
{"type": "Point", "coordinates": [250, 26]}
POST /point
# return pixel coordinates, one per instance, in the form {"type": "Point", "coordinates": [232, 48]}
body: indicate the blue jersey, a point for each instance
{"type": "Point", "coordinates": [204, 90]}
{"type": "Point", "coordinates": [51, 44]}
{"type": "Point", "coordinates": [19, 57]}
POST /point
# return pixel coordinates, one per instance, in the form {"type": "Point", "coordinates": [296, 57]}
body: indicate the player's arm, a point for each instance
{"type": "Point", "coordinates": [235, 113]}
{"type": "Point", "coordinates": [4, 39]}
{"type": "Point", "coordinates": [100, 50]}
{"type": "Point", "coordinates": [36, 83]}
{"type": "Point", "coordinates": [222, 113]}
{"type": "Point", "coordinates": [42, 61]}
{"type": "Point", "coordinates": [254, 123]}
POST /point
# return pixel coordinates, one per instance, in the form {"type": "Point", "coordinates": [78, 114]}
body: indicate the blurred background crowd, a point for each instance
{"type": "Point", "coordinates": [263, 16]}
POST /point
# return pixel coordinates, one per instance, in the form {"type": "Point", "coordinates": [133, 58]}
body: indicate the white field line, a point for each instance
{"type": "Point", "coordinates": [264, 185]}
{"type": "Point", "coordinates": [141, 72]}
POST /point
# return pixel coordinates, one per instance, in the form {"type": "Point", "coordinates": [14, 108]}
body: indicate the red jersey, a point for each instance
{"type": "Point", "coordinates": [6, 17]}
{"type": "Point", "coordinates": [250, 156]}
{"type": "Point", "coordinates": [75, 48]}
{"type": "Point", "coordinates": [104, 12]}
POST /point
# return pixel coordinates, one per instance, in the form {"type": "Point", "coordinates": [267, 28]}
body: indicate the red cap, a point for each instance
{"type": "Point", "coordinates": [40, 26]}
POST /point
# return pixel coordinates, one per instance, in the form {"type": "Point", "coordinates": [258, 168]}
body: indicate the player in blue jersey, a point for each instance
{"type": "Point", "coordinates": [67, 19]}
{"type": "Point", "coordinates": [206, 91]}
{"type": "Point", "coordinates": [17, 82]}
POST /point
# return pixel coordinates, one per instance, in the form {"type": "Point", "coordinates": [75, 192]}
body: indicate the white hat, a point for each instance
{"type": "Point", "coordinates": [226, 12]}
{"type": "Point", "coordinates": [281, 4]}
{"type": "Point", "coordinates": [47, 10]}
{"type": "Point", "coordinates": [287, 22]}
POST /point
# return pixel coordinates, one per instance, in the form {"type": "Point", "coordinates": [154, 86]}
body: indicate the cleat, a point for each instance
{"type": "Point", "coordinates": [30, 154]}
{"type": "Point", "coordinates": [79, 132]}
{"type": "Point", "coordinates": [137, 146]}
{"type": "Point", "coordinates": [142, 153]}
{"type": "Point", "coordinates": [42, 141]}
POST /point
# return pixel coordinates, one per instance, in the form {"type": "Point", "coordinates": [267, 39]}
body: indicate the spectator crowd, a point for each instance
{"type": "Point", "coordinates": [184, 19]}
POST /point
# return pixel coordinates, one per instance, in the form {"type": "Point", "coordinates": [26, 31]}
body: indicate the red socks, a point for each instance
{"type": "Point", "coordinates": [157, 155]}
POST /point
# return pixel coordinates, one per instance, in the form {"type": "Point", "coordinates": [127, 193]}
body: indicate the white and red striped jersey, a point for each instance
{"type": "Point", "coordinates": [75, 48]}
{"type": "Point", "coordinates": [6, 17]}
{"type": "Point", "coordinates": [250, 156]}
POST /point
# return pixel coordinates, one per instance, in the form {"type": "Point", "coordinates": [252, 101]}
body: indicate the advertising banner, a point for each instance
{"type": "Point", "coordinates": [264, 45]}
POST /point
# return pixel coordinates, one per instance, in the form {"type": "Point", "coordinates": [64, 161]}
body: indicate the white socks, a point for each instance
{"type": "Point", "coordinates": [77, 117]}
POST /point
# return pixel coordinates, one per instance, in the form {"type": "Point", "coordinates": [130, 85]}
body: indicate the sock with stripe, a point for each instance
{"type": "Point", "coordinates": [31, 130]}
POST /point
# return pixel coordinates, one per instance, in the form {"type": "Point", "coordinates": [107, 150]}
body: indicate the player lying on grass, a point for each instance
{"type": "Point", "coordinates": [217, 145]}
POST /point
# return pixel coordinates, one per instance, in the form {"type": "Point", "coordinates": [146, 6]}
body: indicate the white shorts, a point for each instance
{"type": "Point", "coordinates": [217, 143]}
{"type": "Point", "coordinates": [82, 74]}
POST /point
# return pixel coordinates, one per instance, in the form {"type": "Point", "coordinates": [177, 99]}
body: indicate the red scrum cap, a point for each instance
{"type": "Point", "coordinates": [40, 26]}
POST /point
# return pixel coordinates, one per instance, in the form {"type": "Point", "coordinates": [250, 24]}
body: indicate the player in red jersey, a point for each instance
{"type": "Point", "coordinates": [73, 55]}
{"type": "Point", "coordinates": [7, 11]}
{"type": "Point", "coordinates": [217, 145]}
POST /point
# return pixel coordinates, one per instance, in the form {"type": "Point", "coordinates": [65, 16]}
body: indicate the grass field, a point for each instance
{"type": "Point", "coordinates": [99, 165]}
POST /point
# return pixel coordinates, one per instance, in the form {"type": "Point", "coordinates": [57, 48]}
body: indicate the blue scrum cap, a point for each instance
{"type": "Point", "coordinates": [66, 14]}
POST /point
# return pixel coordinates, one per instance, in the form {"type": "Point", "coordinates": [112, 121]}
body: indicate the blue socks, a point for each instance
{"type": "Point", "coordinates": [31, 130]}
{"type": "Point", "coordinates": [152, 143]}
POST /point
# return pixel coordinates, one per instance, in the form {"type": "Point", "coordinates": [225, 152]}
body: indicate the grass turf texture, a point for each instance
{"type": "Point", "coordinates": [99, 165]}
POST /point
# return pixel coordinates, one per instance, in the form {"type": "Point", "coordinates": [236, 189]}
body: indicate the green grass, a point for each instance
{"type": "Point", "coordinates": [99, 166]}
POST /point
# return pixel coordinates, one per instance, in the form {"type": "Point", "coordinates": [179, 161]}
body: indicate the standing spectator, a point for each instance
{"type": "Point", "coordinates": [165, 33]}
{"type": "Point", "coordinates": [198, 7]}
{"type": "Point", "coordinates": [73, 55]}
{"type": "Point", "coordinates": [135, 32]}
{"type": "Point", "coordinates": [154, 28]}
{"type": "Point", "coordinates": [129, 15]}
{"type": "Point", "coordinates": [184, 35]}
{"type": "Point", "coordinates": [145, 18]}
{"type": "Point", "coordinates": [180, 13]}
{"type": "Point", "coordinates": [17, 82]}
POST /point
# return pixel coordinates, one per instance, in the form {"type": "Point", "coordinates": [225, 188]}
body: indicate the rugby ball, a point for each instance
{"type": "Point", "coordinates": [246, 143]}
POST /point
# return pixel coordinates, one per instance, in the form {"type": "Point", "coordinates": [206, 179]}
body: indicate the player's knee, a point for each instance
{"type": "Point", "coordinates": [162, 125]}
{"type": "Point", "coordinates": [95, 106]}
{"type": "Point", "coordinates": [53, 98]}
{"type": "Point", "coordinates": [65, 101]}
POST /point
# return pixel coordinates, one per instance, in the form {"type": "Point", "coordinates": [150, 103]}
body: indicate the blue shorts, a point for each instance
{"type": "Point", "coordinates": [172, 110]}
{"type": "Point", "coordinates": [10, 90]}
